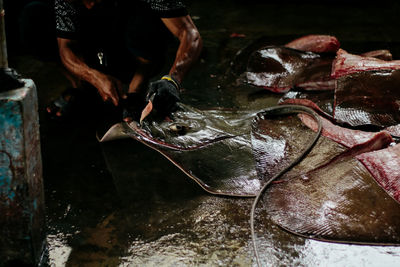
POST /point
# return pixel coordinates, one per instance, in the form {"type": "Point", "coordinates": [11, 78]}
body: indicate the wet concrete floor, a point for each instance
{"type": "Point", "coordinates": [143, 211]}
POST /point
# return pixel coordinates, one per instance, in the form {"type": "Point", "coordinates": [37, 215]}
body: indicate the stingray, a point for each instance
{"type": "Point", "coordinates": [199, 143]}
{"type": "Point", "coordinates": [368, 98]}
{"type": "Point", "coordinates": [330, 195]}
{"type": "Point", "coordinates": [306, 63]}
{"type": "Point", "coordinates": [365, 100]}
{"type": "Point", "coordinates": [214, 149]}
{"type": "Point", "coordinates": [328, 180]}
{"type": "Point", "coordinates": [279, 69]}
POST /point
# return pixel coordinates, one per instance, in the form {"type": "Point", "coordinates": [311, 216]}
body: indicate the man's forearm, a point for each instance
{"type": "Point", "coordinates": [106, 85]}
{"type": "Point", "coordinates": [189, 48]}
{"type": "Point", "coordinates": [75, 64]}
{"type": "Point", "coordinates": [188, 53]}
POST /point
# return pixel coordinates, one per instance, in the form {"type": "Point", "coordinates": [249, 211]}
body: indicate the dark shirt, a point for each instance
{"type": "Point", "coordinates": [71, 16]}
{"type": "Point", "coordinates": [120, 29]}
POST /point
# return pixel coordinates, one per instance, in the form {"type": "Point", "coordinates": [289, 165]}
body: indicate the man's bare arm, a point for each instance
{"type": "Point", "coordinates": [106, 85]}
{"type": "Point", "coordinates": [190, 45]}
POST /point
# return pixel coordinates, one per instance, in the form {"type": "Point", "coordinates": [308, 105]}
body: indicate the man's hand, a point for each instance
{"type": "Point", "coordinates": [110, 88]}
{"type": "Point", "coordinates": [164, 94]}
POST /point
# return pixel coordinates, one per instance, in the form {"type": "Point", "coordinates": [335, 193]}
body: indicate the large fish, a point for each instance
{"type": "Point", "coordinates": [330, 195]}
{"type": "Point", "coordinates": [278, 69]}
{"type": "Point", "coordinates": [368, 98]}
{"type": "Point", "coordinates": [212, 147]}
